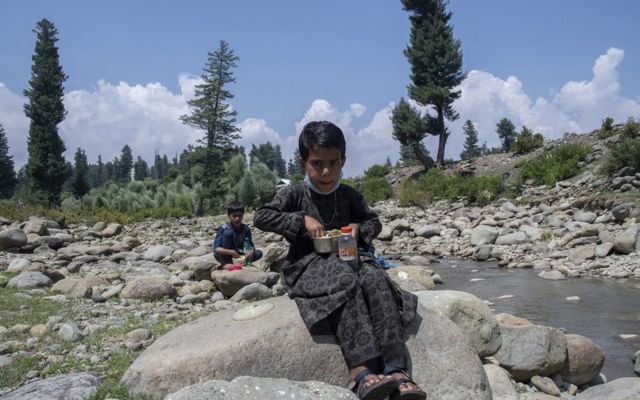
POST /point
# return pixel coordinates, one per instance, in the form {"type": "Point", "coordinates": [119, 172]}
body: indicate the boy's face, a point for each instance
{"type": "Point", "coordinates": [236, 218]}
{"type": "Point", "coordinates": [323, 166]}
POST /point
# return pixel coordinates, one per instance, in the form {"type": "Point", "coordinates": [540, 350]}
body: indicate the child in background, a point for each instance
{"type": "Point", "coordinates": [233, 240]}
{"type": "Point", "coordinates": [363, 308]}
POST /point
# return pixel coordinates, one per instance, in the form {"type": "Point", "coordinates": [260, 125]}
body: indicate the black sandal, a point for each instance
{"type": "Point", "coordinates": [376, 391]}
{"type": "Point", "coordinates": [415, 394]}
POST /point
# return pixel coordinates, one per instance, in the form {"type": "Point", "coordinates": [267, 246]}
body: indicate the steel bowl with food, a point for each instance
{"type": "Point", "coordinates": [327, 243]}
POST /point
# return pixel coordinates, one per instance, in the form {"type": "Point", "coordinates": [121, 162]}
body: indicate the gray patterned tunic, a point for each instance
{"type": "Point", "coordinates": [365, 309]}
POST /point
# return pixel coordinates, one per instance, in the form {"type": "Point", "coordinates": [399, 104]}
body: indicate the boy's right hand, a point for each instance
{"type": "Point", "coordinates": [314, 227]}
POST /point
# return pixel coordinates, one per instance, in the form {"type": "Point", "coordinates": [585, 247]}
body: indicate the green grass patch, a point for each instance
{"type": "Point", "coordinates": [435, 185]}
{"type": "Point", "coordinates": [626, 152]}
{"type": "Point", "coordinates": [555, 165]}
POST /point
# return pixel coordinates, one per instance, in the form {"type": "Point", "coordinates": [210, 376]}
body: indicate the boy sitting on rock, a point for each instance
{"type": "Point", "coordinates": [233, 240]}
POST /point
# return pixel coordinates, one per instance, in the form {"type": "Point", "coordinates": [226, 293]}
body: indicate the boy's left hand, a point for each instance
{"type": "Point", "coordinates": [249, 255]}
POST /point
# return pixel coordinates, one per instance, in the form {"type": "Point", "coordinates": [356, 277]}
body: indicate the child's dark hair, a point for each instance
{"type": "Point", "coordinates": [234, 207]}
{"type": "Point", "coordinates": [321, 134]}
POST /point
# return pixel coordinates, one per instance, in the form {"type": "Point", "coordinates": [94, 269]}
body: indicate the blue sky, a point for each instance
{"type": "Point", "coordinates": [555, 66]}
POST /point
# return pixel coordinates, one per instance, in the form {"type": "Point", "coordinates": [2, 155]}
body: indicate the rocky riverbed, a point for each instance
{"type": "Point", "coordinates": [100, 308]}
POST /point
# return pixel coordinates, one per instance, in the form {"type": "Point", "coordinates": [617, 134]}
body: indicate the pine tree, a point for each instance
{"type": "Point", "coordinates": [140, 169]}
{"type": "Point", "coordinates": [123, 165]}
{"type": "Point", "coordinates": [46, 164]}
{"type": "Point", "coordinates": [409, 128]}
{"type": "Point", "coordinates": [436, 65]}
{"type": "Point", "coordinates": [507, 134]}
{"type": "Point", "coordinates": [211, 112]}
{"type": "Point", "coordinates": [7, 173]}
{"type": "Point", "coordinates": [293, 166]}
{"type": "Point", "coordinates": [80, 181]}
{"type": "Point", "coordinates": [471, 149]}
{"type": "Point", "coordinates": [100, 172]}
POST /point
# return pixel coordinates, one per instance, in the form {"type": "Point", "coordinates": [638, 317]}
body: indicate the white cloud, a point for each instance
{"type": "Point", "coordinates": [322, 110]}
{"type": "Point", "coordinates": [104, 118]}
{"type": "Point", "coordinates": [577, 107]}
{"type": "Point", "coordinates": [15, 124]}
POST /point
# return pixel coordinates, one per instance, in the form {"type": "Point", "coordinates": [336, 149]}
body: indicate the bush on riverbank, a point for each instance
{"type": "Point", "coordinates": [554, 165]}
{"type": "Point", "coordinates": [626, 152]}
{"type": "Point", "coordinates": [435, 185]}
{"type": "Point", "coordinates": [373, 186]}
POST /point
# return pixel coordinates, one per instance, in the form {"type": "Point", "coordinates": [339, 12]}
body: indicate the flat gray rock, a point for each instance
{"type": "Point", "coordinates": [442, 361]}
{"type": "Point", "coordinates": [619, 389]}
{"type": "Point", "coordinates": [252, 388]}
{"type": "Point", "coordinates": [61, 387]}
{"type": "Point", "coordinates": [27, 280]}
{"type": "Point", "coordinates": [12, 237]}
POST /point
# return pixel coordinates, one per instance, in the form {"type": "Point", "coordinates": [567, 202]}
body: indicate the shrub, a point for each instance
{"type": "Point", "coordinates": [377, 171]}
{"type": "Point", "coordinates": [554, 165]}
{"type": "Point", "coordinates": [526, 141]}
{"type": "Point", "coordinates": [435, 185]}
{"type": "Point", "coordinates": [626, 152]}
{"type": "Point", "coordinates": [606, 130]}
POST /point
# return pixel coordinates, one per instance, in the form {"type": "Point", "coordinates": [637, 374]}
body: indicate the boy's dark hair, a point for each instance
{"type": "Point", "coordinates": [321, 134]}
{"type": "Point", "coordinates": [234, 207]}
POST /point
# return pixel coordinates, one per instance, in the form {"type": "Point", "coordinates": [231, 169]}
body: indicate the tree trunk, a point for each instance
{"type": "Point", "coordinates": [423, 158]}
{"type": "Point", "coordinates": [442, 138]}
{"type": "Point", "coordinates": [199, 211]}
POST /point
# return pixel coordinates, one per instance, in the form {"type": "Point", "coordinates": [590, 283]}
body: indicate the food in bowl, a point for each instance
{"type": "Point", "coordinates": [239, 261]}
{"type": "Point", "coordinates": [327, 243]}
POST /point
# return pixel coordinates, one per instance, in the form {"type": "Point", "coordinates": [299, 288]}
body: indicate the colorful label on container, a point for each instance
{"type": "Point", "coordinates": [347, 253]}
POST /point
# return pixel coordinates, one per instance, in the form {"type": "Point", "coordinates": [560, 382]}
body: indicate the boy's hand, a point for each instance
{"type": "Point", "coordinates": [355, 230]}
{"type": "Point", "coordinates": [249, 255]}
{"type": "Point", "coordinates": [314, 227]}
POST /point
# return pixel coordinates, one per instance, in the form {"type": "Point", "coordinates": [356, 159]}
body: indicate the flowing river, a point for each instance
{"type": "Point", "coordinates": [606, 309]}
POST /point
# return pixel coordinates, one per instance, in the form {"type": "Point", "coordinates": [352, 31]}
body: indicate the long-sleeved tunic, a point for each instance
{"type": "Point", "coordinates": [321, 284]}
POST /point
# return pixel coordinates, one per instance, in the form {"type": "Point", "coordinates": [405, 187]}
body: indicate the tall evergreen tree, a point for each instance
{"type": "Point", "coordinates": [293, 166]}
{"type": "Point", "coordinates": [46, 164]}
{"type": "Point", "coordinates": [507, 133]}
{"type": "Point", "coordinates": [409, 128]}
{"type": "Point", "coordinates": [140, 169]}
{"type": "Point", "coordinates": [100, 172]}
{"type": "Point", "coordinates": [80, 180]}
{"type": "Point", "coordinates": [471, 149]}
{"type": "Point", "coordinates": [123, 165]}
{"type": "Point", "coordinates": [7, 173]}
{"type": "Point", "coordinates": [211, 112]}
{"type": "Point", "coordinates": [436, 65]}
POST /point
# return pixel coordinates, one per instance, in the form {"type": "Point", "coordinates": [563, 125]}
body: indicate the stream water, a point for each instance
{"type": "Point", "coordinates": [606, 309]}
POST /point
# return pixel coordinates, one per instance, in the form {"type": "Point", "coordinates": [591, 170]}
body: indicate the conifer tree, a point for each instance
{"type": "Point", "coordinates": [100, 172]}
{"type": "Point", "coordinates": [507, 133]}
{"type": "Point", "coordinates": [123, 165]}
{"type": "Point", "coordinates": [409, 128]}
{"type": "Point", "coordinates": [211, 112]}
{"type": "Point", "coordinates": [46, 164]}
{"type": "Point", "coordinates": [80, 181]}
{"type": "Point", "coordinates": [140, 169]}
{"type": "Point", "coordinates": [7, 173]}
{"type": "Point", "coordinates": [436, 65]}
{"type": "Point", "coordinates": [471, 149]}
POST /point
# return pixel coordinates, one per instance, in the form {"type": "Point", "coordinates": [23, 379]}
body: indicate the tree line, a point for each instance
{"type": "Point", "coordinates": [435, 58]}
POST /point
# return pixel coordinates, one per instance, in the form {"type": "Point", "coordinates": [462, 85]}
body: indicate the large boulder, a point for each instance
{"type": "Point", "coordinates": [111, 230]}
{"type": "Point", "coordinates": [518, 237]}
{"type": "Point", "coordinates": [584, 360]}
{"type": "Point", "coordinates": [626, 241]}
{"type": "Point", "coordinates": [501, 386]}
{"type": "Point", "coordinates": [35, 225]}
{"type": "Point", "coordinates": [78, 386]}
{"type": "Point", "coordinates": [527, 351]}
{"type": "Point", "coordinates": [483, 234]}
{"type": "Point", "coordinates": [442, 362]}
{"type": "Point", "coordinates": [29, 280]}
{"type": "Point", "coordinates": [253, 388]}
{"type": "Point", "coordinates": [148, 288]}
{"type": "Point", "coordinates": [12, 237]}
{"type": "Point", "coordinates": [157, 253]}
{"type": "Point", "coordinates": [74, 287]}
{"type": "Point", "coordinates": [470, 314]}
{"type": "Point", "coordinates": [619, 389]}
